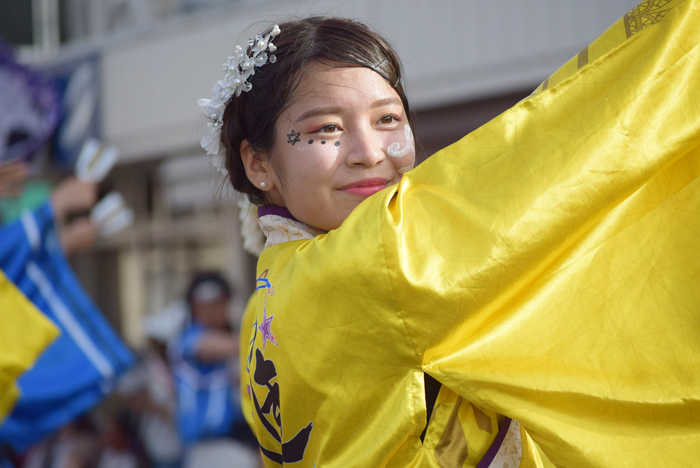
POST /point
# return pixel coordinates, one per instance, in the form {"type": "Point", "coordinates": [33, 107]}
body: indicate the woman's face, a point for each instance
{"type": "Point", "coordinates": [344, 138]}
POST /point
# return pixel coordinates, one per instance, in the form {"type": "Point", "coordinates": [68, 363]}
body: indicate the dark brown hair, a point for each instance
{"type": "Point", "coordinates": [333, 41]}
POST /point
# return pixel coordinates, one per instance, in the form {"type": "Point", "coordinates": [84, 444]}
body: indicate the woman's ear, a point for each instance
{"type": "Point", "coordinates": [257, 170]}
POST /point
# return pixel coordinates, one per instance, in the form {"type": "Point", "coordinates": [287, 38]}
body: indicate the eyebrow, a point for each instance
{"type": "Point", "coordinates": [338, 110]}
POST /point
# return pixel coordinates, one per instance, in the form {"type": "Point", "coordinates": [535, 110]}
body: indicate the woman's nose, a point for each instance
{"type": "Point", "coordinates": [366, 150]}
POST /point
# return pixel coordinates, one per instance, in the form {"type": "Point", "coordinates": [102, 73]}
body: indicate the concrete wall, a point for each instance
{"type": "Point", "coordinates": [453, 51]}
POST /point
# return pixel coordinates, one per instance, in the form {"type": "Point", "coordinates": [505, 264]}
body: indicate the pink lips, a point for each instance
{"type": "Point", "coordinates": [366, 187]}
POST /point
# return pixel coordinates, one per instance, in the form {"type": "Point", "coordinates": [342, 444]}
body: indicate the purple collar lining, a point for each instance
{"type": "Point", "coordinates": [275, 210]}
{"type": "Point", "coordinates": [496, 445]}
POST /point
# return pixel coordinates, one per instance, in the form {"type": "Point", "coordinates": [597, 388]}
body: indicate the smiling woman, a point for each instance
{"type": "Point", "coordinates": [270, 115]}
{"type": "Point", "coordinates": [493, 307]}
{"type": "Point", "coordinates": [357, 116]}
{"type": "Point", "coordinates": [315, 135]}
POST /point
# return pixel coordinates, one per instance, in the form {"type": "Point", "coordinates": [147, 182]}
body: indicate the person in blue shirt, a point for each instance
{"type": "Point", "coordinates": [202, 359]}
{"type": "Point", "coordinates": [82, 365]}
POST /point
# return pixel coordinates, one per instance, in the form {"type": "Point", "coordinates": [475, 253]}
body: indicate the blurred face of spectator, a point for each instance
{"type": "Point", "coordinates": [212, 314]}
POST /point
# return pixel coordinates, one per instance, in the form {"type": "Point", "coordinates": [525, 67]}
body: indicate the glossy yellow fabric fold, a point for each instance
{"type": "Point", "coordinates": [24, 334]}
{"type": "Point", "coordinates": [545, 268]}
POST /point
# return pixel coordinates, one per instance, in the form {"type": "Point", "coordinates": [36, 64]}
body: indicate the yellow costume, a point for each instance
{"type": "Point", "coordinates": [545, 269]}
{"type": "Point", "coordinates": [24, 334]}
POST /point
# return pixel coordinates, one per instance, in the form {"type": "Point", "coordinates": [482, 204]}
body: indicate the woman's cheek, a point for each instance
{"type": "Point", "coordinates": [319, 146]}
{"type": "Point", "coordinates": [401, 148]}
{"type": "Point", "coordinates": [318, 157]}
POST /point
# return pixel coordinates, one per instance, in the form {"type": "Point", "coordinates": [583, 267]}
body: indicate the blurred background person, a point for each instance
{"type": "Point", "coordinates": [121, 446]}
{"type": "Point", "coordinates": [77, 370]}
{"type": "Point", "coordinates": [75, 445]}
{"type": "Point", "coordinates": [203, 360]}
{"type": "Point", "coordinates": [46, 218]}
{"type": "Point", "coordinates": [73, 195]}
{"type": "Point", "coordinates": [150, 389]}
{"type": "Point", "coordinates": [70, 196]}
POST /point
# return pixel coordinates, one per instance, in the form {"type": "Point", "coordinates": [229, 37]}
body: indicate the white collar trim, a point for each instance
{"type": "Point", "coordinates": [279, 229]}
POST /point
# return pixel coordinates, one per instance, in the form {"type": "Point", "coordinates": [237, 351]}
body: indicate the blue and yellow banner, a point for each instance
{"type": "Point", "coordinates": [24, 334]}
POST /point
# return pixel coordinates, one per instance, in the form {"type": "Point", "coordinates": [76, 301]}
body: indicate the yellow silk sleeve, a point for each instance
{"type": "Point", "coordinates": [24, 334]}
{"type": "Point", "coordinates": [547, 265]}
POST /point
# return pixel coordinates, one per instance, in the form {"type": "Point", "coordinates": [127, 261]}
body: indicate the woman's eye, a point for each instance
{"type": "Point", "coordinates": [328, 128]}
{"type": "Point", "coordinates": [387, 119]}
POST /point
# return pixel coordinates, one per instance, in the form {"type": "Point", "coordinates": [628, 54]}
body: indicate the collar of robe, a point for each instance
{"type": "Point", "coordinates": [280, 226]}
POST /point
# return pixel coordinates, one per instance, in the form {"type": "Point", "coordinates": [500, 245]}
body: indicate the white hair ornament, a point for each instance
{"type": "Point", "coordinates": [239, 68]}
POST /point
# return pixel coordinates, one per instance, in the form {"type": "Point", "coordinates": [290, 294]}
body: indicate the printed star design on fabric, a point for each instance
{"type": "Point", "coordinates": [264, 328]}
{"type": "Point", "coordinates": [293, 137]}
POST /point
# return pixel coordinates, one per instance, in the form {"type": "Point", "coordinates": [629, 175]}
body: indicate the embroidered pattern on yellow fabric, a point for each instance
{"type": "Point", "coordinates": [511, 451]}
{"type": "Point", "coordinates": [645, 14]}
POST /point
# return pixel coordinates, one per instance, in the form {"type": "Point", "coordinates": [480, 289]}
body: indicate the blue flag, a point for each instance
{"type": "Point", "coordinates": [81, 366]}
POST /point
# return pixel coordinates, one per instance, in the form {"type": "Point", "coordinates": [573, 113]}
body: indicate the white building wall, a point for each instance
{"type": "Point", "coordinates": [453, 51]}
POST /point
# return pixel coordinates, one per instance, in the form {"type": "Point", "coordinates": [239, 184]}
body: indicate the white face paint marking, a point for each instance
{"type": "Point", "coordinates": [394, 150]}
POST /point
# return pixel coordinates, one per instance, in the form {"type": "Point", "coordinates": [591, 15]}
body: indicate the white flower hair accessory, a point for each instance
{"type": "Point", "coordinates": [239, 68]}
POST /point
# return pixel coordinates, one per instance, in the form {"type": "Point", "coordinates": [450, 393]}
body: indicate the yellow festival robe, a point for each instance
{"type": "Point", "coordinates": [545, 268]}
{"type": "Point", "coordinates": [24, 334]}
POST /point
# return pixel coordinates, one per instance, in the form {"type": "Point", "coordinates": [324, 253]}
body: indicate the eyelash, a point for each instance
{"type": "Point", "coordinates": [393, 117]}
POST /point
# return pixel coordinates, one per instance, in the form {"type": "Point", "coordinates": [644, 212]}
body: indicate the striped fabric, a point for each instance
{"type": "Point", "coordinates": [80, 367]}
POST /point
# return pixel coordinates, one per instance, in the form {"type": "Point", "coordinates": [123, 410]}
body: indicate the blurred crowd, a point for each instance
{"type": "Point", "coordinates": [179, 405]}
{"type": "Point", "coordinates": [71, 196]}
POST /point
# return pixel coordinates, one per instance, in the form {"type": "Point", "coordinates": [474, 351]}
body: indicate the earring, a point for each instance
{"type": "Point", "coordinates": [263, 184]}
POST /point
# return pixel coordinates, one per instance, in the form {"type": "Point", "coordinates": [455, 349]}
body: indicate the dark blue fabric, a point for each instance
{"type": "Point", "coordinates": [81, 366]}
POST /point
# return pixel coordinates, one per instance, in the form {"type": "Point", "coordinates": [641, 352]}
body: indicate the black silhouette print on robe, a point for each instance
{"type": "Point", "coordinates": [293, 450]}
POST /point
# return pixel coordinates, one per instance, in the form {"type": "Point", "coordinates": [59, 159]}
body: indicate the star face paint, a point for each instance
{"type": "Point", "coordinates": [293, 137]}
